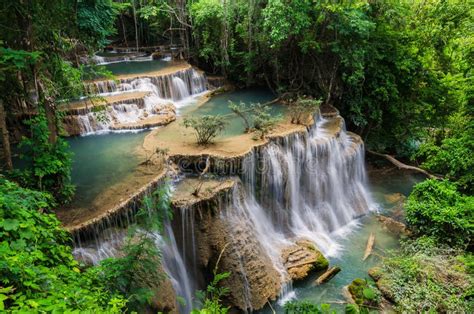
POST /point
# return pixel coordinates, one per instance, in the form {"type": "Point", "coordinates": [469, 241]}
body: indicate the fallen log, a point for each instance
{"type": "Point", "coordinates": [401, 165]}
{"type": "Point", "coordinates": [370, 246]}
{"type": "Point", "coordinates": [331, 272]}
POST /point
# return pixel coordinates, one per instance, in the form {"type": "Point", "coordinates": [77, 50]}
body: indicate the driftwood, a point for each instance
{"type": "Point", "coordinates": [331, 272]}
{"type": "Point", "coordinates": [370, 246]}
{"type": "Point", "coordinates": [401, 165]}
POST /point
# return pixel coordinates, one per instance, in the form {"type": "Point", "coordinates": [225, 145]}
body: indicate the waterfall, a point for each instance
{"type": "Point", "coordinates": [175, 86]}
{"type": "Point", "coordinates": [107, 245]}
{"type": "Point", "coordinates": [305, 185]}
{"type": "Point", "coordinates": [179, 90]}
{"type": "Point", "coordinates": [311, 184]}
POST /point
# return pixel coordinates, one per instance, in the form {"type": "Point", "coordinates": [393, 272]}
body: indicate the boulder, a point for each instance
{"type": "Point", "coordinates": [393, 226]}
{"type": "Point", "coordinates": [164, 299]}
{"type": "Point", "coordinates": [302, 258]}
{"type": "Point", "coordinates": [394, 198]}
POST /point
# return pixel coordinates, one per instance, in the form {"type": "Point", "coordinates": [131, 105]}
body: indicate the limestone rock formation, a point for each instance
{"type": "Point", "coordinates": [164, 299]}
{"type": "Point", "coordinates": [302, 258]}
{"type": "Point", "coordinates": [253, 279]}
{"type": "Point", "coordinates": [393, 225]}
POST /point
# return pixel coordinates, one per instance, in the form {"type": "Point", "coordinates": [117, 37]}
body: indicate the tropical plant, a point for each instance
{"type": "Point", "coordinates": [48, 165]}
{"type": "Point", "coordinates": [206, 127]}
{"type": "Point", "coordinates": [138, 273]}
{"type": "Point", "coordinates": [303, 109]}
{"type": "Point", "coordinates": [437, 209]}
{"type": "Point", "coordinates": [38, 272]}
{"type": "Point", "coordinates": [304, 307]}
{"type": "Point", "coordinates": [256, 117]}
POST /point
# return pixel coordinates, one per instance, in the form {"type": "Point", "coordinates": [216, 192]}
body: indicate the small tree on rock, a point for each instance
{"type": "Point", "coordinates": [207, 127]}
{"type": "Point", "coordinates": [302, 109]}
{"type": "Point", "coordinates": [256, 117]}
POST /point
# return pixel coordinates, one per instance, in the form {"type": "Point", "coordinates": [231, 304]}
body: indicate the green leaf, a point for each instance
{"type": "Point", "coordinates": [369, 294]}
{"type": "Point", "coordinates": [10, 224]}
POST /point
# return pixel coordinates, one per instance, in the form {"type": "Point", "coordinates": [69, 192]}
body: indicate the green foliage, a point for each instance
{"type": "Point", "coordinates": [208, 17]}
{"type": "Point", "coordinates": [212, 297]}
{"type": "Point", "coordinates": [138, 273]}
{"type": "Point", "coordinates": [206, 127]}
{"type": "Point", "coordinates": [37, 270]}
{"type": "Point", "coordinates": [426, 277]}
{"type": "Point", "coordinates": [451, 155]}
{"type": "Point", "coordinates": [96, 21]}
{"type": "Point", "coordinates": [365, 295]}
{"type": "Point", "coordinates": [256, 117]}
{"type": "Point", "coordinates": [48, 165]}
{"type": "Point", "coordinates": [306, 307]}
{"type": "Point", "coordinates": [303, 109]}
{"type": "Point", "coordinates": [436, 208]}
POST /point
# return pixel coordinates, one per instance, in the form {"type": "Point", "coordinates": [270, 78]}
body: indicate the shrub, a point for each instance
{"type": "Point", "coordinates": [37, 270]}
{"type": "Point", "coordinates": [207, 127]}
{"type": "Point", "coordinates": [425, 277]}
{"type": "Point", "coordinates": [436, 208]}
{"type": "Point", "coordinates": [48, 165]}
{"type": "Point", "coordinates": [302, 109]}
{"type": "Point", "coordinates": [304, 307]}
{"type": "Point", "coordinates": [256, 117]}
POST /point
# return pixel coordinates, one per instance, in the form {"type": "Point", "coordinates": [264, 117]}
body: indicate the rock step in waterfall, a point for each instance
{"type": "Point", "coordinates": [295, 196]}
{"type": "Point", "coordinates": [137, 102]}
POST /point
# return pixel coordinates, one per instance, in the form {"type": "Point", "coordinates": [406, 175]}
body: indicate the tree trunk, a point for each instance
{"type": "Point", "coordinates": [7, 155]}
{"type": "Point", "coordinates": [136, 25]}
{"type": "Point", "coordinates": [124, 31]}
{"type": "Point", "coordinates": [50, 111]}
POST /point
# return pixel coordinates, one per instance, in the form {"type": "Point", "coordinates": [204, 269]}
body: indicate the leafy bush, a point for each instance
{"type": "Point", "coordinates": [207, 127]}
{"type": "Point", "coordinates": [452, 156]}
{"type": "Point", "coordinates": [302, 109]}
{"type": "Point", "coordinates": [48, 165]}
{"type": "Point", "coordinates": [37, 270]}
{"type": "Point", "coordinates": [212, 296]}
{"type": "Point", "coordinates": [138, 272]}
{"type": "Point", "coordinates": [426, 277]}
{"type": "Point", "coordinates": [256, 117]}
{"type": "Point", "coordinates": [364, 293]}
{"type": "Point", "coordinates": [304, 307]}
{"type": "Point", "coordinates": [436, 208]}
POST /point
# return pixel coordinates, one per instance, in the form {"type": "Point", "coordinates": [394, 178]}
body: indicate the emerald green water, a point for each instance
{"type": "Point", "coordinates": [219, 105]}
{"type": "Point", "coordinates": [353, 244]}
{"type": "Point", "coordinates": [101, 161]}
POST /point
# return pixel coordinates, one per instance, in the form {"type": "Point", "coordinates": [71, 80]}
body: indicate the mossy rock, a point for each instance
{"type": "Point", "coordinates": [363, 294]}
{"type": "Point", "coordinates": [302, 258]}
{"type": "Point", "coordinates": [375, 273]}
{"type": "Point", "coordinates": [321, 262]}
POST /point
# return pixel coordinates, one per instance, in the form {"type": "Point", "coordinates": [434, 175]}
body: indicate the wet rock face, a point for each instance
{"type": "Point", "coordinates": [393, 226]}
{"type": "Point", "coordinates": [253, 279]}
{"type": "Point", "coordinates": [394, 198]}
{"type": "Point", "coordinates": [164, 299]}
{"type": "Point", "coordinates": [302, 258]}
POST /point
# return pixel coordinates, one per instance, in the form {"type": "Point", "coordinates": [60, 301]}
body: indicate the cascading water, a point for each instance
{"type": "Point", "coordinates": [177, 88]}
{"type": "Point", "coordinates": [109, 241]}
{"type": "Point", "coordinates": [307, 185]}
